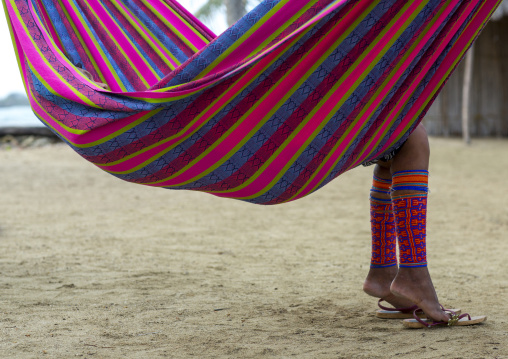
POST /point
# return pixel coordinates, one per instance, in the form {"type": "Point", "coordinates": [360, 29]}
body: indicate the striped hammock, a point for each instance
{"type": "Point", "coordinates": [291, 96]}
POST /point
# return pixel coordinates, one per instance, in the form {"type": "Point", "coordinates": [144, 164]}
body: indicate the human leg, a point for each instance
{"type": "Point", "coordinates": [383, 267]}
{"type": "Point", "coordinates": [412, 281]}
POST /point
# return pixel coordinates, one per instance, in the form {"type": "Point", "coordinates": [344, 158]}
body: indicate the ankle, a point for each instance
{"type": "Point", "coordinates": [412, 274]}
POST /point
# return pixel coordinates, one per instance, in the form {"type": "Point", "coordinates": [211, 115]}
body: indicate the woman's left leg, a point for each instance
{"type": "Point", "coordinates": [383, 265]}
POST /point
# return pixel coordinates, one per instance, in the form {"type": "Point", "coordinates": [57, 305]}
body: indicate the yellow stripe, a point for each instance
{"type": "Point", "coordinates": [267, 117]}
{"type": "Point", "coordinates": [173, 29]}
{"type": "Point", "coordinates": [412, 121]}
{"type": "Point", "coordinates": [82, 42]}
{"type": "Point", "coordinates": [121, 131]}
{"type": "Point", "coordinates": [110, 67]}
{"type": "Point", "coordinates": [54, 72]}
{"type": "Point", "coordinates": [310, 116]}
{"type": "Point", "coordinates": [189, 26]}
{"type": "Point", "coordinates": [120, 48]}
{"type": "Point", "coordinates": [225, 93]}
{"type": "Point", "coordinates": [130, 18]}
{"type": "Point", "coordinates": [69, 129]}
{"type": "Point", "coordinates": [398, 114]}
{"type": "Point", "coordinates": [282, 28]}
{"type": "Point", "coordinates": [16, 50]}
{"type": "Point", "coordinates": [82, 132]}
{"type": "Point", "coordinates": [242, 40]}
{"type": "Point", "coordinates": [68, 63]}
{"type": "Point", "coordinates": [48, 25]}
{"type": "Point", "coordinates": [357, 119]}
{"type": "Point", "coordinates": [392, 74]}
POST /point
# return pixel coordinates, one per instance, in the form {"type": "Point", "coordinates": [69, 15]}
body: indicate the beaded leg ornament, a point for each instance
{"type": "Point", "coordinates": [382, 226]}
{"type": "Point", "coordinates": [410, 211]}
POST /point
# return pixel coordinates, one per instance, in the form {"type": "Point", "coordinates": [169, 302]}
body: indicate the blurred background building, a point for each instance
{"type": "Point", "coordinates": [488, 99]}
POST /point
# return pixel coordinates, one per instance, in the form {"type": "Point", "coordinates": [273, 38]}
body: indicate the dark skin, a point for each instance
{"type": "Point", "coordinates": [404, 287]}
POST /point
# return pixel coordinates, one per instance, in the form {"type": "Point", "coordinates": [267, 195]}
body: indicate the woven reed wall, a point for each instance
{"type": "Point", "coordinates": [489, 93]}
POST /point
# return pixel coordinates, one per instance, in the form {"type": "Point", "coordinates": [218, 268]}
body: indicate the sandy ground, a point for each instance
{"type": "Point", "coordinates": [93, 267]}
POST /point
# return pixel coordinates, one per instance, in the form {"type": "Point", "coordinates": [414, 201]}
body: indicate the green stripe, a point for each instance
{"type": "Point", "coordinates": [62, 80]}
{"type": "Point", "coordinates": [173, 29]}
{"type": "Point", "coordinates": [129, 17]}
{"type": "Point", "coordinates": [78, 132]}
{"type": "Point", "coordinates": [84, 47]}
{"type": "Point", "coordinates": [242, 40]}
{"type": "Point", "coordinates": [82, 132]}
{"type": "Point", "coordinates": [281, 29]}
{"type": "Point", "coordinates": [392, 74]}
{"type": "Point", "coordinates": [282, 101]}
{"type": "Point", "coordinates": [413, 120]}
{"type": "Point", "coordinates": [189, 26]}
{"type": "Point", "coordinates": [230, 130]}
{"type": "Point", "coordinates": [120, 48]}
{"type": "Point", "coordinates": [189, 125]}
{"type": "Point", "coordinates": [120, 131]}
{"type": "Point", "coordinates": [307, 118]}
{"type": "Point", "coordinates": [353, 88]}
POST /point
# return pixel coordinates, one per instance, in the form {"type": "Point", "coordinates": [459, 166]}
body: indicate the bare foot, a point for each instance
{"type": "Point", "coordinates": [415, 284]}
{"type": "Point", "coordinates": [377, 284]}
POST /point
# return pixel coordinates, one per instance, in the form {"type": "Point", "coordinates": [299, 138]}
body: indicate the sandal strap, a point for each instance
{"type": "Point", "coordinates": [455, 319]}
{"type": "Point", "coordinates": [420, 320]}
{"type": "Point", "coordinates": [452, 321]}
{"type": "Point", "coordinates": [402, 310]}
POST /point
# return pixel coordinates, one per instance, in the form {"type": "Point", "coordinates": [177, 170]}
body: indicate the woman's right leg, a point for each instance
{"type": "Point", "coordinates": [409, 169]}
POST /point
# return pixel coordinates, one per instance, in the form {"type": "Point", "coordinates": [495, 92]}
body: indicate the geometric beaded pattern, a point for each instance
{"type": "Point", "coordinates": [414, 180]}
{"type": "Point", "coordinates": [380, 185]}
{"type": "Point", "coordinates": [410, 215]}
{"type": "Point", "coordinates": [384, 238]}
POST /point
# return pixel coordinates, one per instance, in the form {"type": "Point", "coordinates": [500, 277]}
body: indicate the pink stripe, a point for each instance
{"type": "Point", "coordinates": [408, 93]}
{"type": "Point", "coordinates": [177, 23]}
{"type": "Point", "coordinates": [113, 31]}
{"type": "Point", "coordinates": [20, 54]}
{"type": "Point", "coordinates": [265, 31]}
{"type": "Point", "coordinates": [443, 68]}
{"type": "Point", "coordinates": [153, 42]}
{"type": "Point", "coordinates": [49, 25]}
{"type": "Point", "coordinates": [294, 145]}
{"type": "Point", "coordinates": [34, 57]}
{"type": "Point", "coordinates": [105, 102]}
{"type": "Point", "coordinates": [25, 73]}
{"type": "Point", "coordinates": [79, 139]}
{"type": "Point", "coordinates": [64, 60]}
{"type": "Point", "coordinates": [96, 55]}
{"type": "Point", "coordinates": [209, 80]}
{"type": "Point", "coordinates": [202, 28]}
{"type": "Point", "coordinates": [329, 164]}
{"type": "Point", "coordinates": [282, 160]}
{"type": "Point", "coordinates": [42, 114]}
{"type": "Point", "coordinates": [80, 49]}
{"type": "Point", "coordinates": [139, 159]}
{"type": "Point", "coordinates": [100, 133]}
{"type": "Point", "coordinates": [87, 137]}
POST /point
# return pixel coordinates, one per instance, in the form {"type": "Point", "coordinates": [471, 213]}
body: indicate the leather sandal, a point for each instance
{"type": "Point", "coordinates": [456, 320]}
{"type": "Point", "coordinates": [401, 313]}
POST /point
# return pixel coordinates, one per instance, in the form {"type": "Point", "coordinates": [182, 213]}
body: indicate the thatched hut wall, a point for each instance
{"type": "Point", "coordinates": [489, 92]}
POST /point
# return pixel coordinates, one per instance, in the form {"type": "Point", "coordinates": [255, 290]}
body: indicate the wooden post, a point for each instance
{"type": "Point", "coordinates": [466, 92]}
